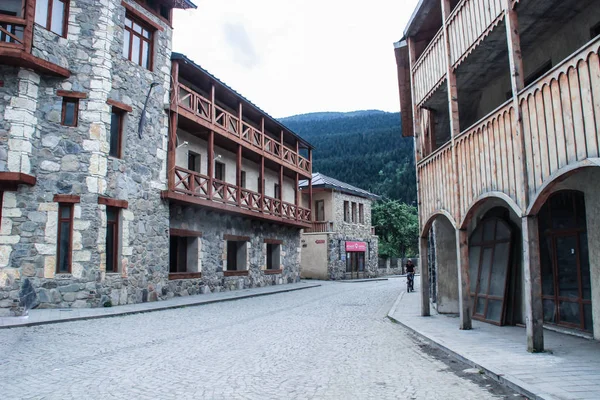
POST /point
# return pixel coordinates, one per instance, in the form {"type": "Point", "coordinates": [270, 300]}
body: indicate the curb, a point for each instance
{"type": "Point", "coordinates": [161, 308]}
{"type": "Point", "coordinates": [362, 280]}
{"type": "Point", "coordinates": [488, 372]}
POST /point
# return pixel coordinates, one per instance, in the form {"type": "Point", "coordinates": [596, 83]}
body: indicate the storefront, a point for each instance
{"type": "Point", "coordinates": [355, 258]}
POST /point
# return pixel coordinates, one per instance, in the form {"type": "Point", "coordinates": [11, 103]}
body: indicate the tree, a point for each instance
{"type": "Point", "coordinates": [397, 225]}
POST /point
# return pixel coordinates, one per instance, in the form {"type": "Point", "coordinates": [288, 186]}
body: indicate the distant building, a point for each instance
{"type": "Point", "coordinates": [503, 100]}
{"type": "Point", "coordinates": [341, 243]}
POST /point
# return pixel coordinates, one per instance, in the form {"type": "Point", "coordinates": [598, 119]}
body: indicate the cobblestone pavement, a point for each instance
{"type": "Point", "coordinates": [331, 342]}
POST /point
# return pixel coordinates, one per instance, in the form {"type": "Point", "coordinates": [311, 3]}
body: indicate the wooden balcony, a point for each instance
{"type": "Point", "coordinates": [194, 106]}
{"type": "Point", "coordinates": [195, 188]}
{"type": "Point", "coordinates": [430, 69]}
{"type": "Point", "coordinates": [560, 113]}
{"type": "Point", "coordinates": [16, 42]}
{"type": "Point", "coordinates": [320, 227]}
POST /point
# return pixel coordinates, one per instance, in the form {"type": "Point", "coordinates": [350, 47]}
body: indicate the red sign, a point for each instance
{"type": "Point", "coordinates": [356, 246]}
{"type": "Point", "coordinates": [319, 241]}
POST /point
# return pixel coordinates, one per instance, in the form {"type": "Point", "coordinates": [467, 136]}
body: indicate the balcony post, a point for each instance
{"type": "Point", "coordinates": [213, 103]}
{"type": "Point", "coordinates": [175, 80]}
{"type": "Point", "coordinates": [297, 196]}
{"type": "Point", "coordinates": [240, 125]}
{"type": "Point", "coordinates": [424, 268]}
{"type": "Point", "coordinates": [30, 18]}
{"type": "Point", "coordinates": [517, 81]}
{"type": "Point", "coordinates": [211, 163]}
{"type": "Point", "coordinates": [172, 150]}
{"type": "Point", "coordinates": [238, 174]}
{"type": "Point", "coordinates": [534, 311]}
{"type": "Point", "coordinates": [262, 131]}
{"type": "Point", "coordinates": [310, 198]}
{"type": "Point", "coordinates": [281, 144]}
{"type": "Point", "coordinates": [261, 184]}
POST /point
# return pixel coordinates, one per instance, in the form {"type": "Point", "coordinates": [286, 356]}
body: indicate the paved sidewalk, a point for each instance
{"type": "Point", "coordinates": [569, 369]}
{"type": "Point", "coordinates": [50, 316]}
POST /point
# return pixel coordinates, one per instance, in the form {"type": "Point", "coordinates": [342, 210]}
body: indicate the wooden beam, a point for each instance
{"type": "Point", "coordinates": [238, 174]}
{"type": "Point", "coordinates": [281, 182]}
{"type": "Point", "coordinates": [184, 232]}
{"type": "Point", "coordinates": [273, 241]}
{"type": "Point", "coordinates": [66, 198]}
{"type": "Point", "coordinates": [19, 57]}
{"type": "Point", "coordinates": [261, 183]}
{"type": "Point", "coordinates": [310, 199]}
{"type": "Point", "coordinates": [17, 178]}
{"type": "Point", "coordinates": [172, 150]}
{"type": "Point", "coordinates": [30, 18]}
{"type": "Point", "coordinates": [281, 142]}
{"type": "Point", "coordinates": [534, 310]}
{"type": "Point", "coordinates": [113, 202]}
{"type": "Point", "coordinates": [139, 15]}
{"type": "Point", "coordinates": [213, 101]}
{"type": "Point", "coordinates": [175, 80]}
{"type": "Point", "coordinates": [121, 106]}
{"type": "Point", "coordinates": [240, 115]}
{"type": "Point", "coordinates": [71, 93]}
{"type": "Point", "coordinates": [237, 238]}
{"type": "Point", "coordinates": [211, 162]}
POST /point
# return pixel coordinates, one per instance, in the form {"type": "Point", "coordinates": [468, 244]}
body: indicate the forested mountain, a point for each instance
{"type": "Point", "coordinates": [363, 148]}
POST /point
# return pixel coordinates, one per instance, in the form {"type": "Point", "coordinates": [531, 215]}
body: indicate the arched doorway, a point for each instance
{"type": "Point", "coordinates": [566, 283]}
{"type": "Point", "coordinates": [490, 249]}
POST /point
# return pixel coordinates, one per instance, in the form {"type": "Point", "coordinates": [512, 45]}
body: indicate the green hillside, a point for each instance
{"type": "Point", "coordinates": [363, 148]}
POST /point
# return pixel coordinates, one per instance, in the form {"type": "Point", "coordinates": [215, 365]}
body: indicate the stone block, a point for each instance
{"type": "Point", "coordinates": [68, 297]}
{"type": "Point", "coordinates": [50, 166]}
{"type": "Point", "coordinates": [49, 266]}
{"type": "Point", "coordinates": [74, 287]}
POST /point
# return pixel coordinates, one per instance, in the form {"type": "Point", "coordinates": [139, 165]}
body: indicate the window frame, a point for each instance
{"type": "Point", "coordinates": [180, 242]}
{"type": "Point", "coordinates": [346, 211]}
{"type": "Point", "coordinates": [197, 164]}
{"type": "Point", "coordinates": [243, 179]}
{"type": "Point", "coordinates": [144, 25]}
{"type": "Point", "coordinates": [121, 115]}
{"type": "Point", "coordinates": [361, 213]}
{"type": "Point", "coordinates": [354, 215]}
{"type": "Point", "coordinates": [116, 226]}
{"type": "Point", "coordinates": [69, 220]}
{"type": "Point", "coordinates": [222, 168]}
{"type": "Point", "coordinates": [65, 19]}
{"type": "Point", "coordinates": [65, 101]}
{"type": "Point", "coordinates": [276, 191]}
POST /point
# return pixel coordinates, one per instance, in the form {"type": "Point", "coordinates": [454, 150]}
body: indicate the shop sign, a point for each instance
{"type": "Point", "coordinates": [356, 246]}
{"type": "Point", "coordinates": [319, 241]}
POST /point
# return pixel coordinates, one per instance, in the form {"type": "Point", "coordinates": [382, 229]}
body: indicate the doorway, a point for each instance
{"type": "Point", "coordinates": [320, 210]}
{"type": "Point", "coordinates": [355, 264]}
{"type": "Point", "coordinates": [566, 284]}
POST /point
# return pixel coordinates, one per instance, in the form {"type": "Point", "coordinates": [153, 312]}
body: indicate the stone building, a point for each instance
{"type": "Point", "coordinates": [341, 243]}
{"type": "Point", "coordinates": [502, 98]}
{"type": "Point", "coordinates": [90, 213]}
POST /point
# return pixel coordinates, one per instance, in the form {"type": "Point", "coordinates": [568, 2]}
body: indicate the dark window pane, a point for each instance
{"type": "Point", "coordinates": [115, 127]}
{"type": "Point", "coordinates": [499, 269]}
{"type": "Point", "coordinates": [580, 210]}
{"type": "Point", "coordinates": [110, 248]}
{"type": "Point", "coordinates": [569, 312]}
{"type": "Point", "coordinates": [361, 261]}
{"type": "Point", "coordinates": [474, 258]}
{"type": "Point", "coordinates": [566, 257]}
{"type": "Point", "coordinates": [546, 265]}
{"type": "Point", "coordinates": [494, 310]}
{"type": "Point", "coordinates": [486, 265]}
{"type": "Point", "coordinates": [182, 254]}
{"type": "Point", "coordinates": [563, 213]}
{"type": "Point", "coordinates": [65, 211]}
{"type": "Point", "coordinates": [549, 311]}
{"type": "Point", "coordinates": [231, 255]}
{"type": "Point", "coordinates": [173, 254]}
{"type": "Point", "coordinates": [587, 317]}
{"type": "Point", "coordinates": [269, 256]}
{"type": "Point", "coordinates": [480, 307]}
{"type": "Point", "coordinates": [502, 231]}
{"type": "Point", "coordinates": [64, 247]}
{"type": "Point", "coordinates": [69, 113]}
{"type": "Point", "coordinates": [584, 262]}
{"type": "Point", "coordinates": [489, 228]}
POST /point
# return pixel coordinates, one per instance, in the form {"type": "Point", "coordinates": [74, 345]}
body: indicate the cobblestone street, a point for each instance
{"type": "Point", "coordinates": [330, 342]}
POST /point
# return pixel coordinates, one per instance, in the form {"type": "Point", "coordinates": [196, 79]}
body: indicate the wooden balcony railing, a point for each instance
{"type": "Point", "coordinates": [197, 185]}
{"type": "Point", "coordinates": [430, 69]}
{"type": "Point", "coordinates": [320, 227]}
{"type": "Point", "coordinates": [202, 107]}
{"type": "Point", "coordinates": [560, 113]}
{"type": "Point", "coordinates": [470, 22]}
{"type": "Point", "coordinates": [12, 32]}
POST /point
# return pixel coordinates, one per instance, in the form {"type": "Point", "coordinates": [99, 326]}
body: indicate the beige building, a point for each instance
{"type": "Point", "coordinates": [341, 243]}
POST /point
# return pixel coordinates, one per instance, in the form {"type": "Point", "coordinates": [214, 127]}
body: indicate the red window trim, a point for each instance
{"type": "Point", "coordinates": [156, 13]}
{"type": "Point", "coordinates": [66, 198]}
{"type": "Point", "coordinates": [273, 241]}
{"type": "Point", "coordinates": [113, 202]}
{"type": "Point", "coordinates": [184, 233]}
{"type": "Point", "coordinates": [236, 238]}
{"type": "Point", "coordinates": [48, 25]}
{"type": "Point", "coordinates": [70, 247]}
{"type": "Point", "coordinates": [121, 114]}
{"type": "Point", "coordinates": [115, 228]}
{"type": "Point", "coordinates": [121, 106]}
{"type": "Point", "coordinates": [72, 94]}
{"type": "Point", "coordinates": [141, 17]}
{"type": "Point", "coordinates": [132, 33]}
{"type": "Point", "coordinates": [1, 206]}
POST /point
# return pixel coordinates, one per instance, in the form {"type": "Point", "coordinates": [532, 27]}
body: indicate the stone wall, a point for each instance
{"type": "Point", "coordinates": [350, 228]}
{"type": "Point", "coordinates": [75, 161]}
{"type": "Point", "coordinates": [336, 269]}
{"type": "Point", "coordinates": [213, 256]}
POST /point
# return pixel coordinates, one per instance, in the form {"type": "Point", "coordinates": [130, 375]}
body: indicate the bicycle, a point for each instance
{"type": "Point", "coordinates": [410, 282]}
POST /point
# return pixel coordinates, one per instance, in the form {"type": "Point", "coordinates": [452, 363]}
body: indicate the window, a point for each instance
{"type": "Point", "coordinates": [52, 15]}
{"type": "Point", "coordinates": [354, 213]}
{"type": "Point", "coordinates": [236, 255]}
{"type": "Point", "coordinates": [137, 42]}
{"type": "Point", "coordinates": [219, 171]}
{"type": "Point", "coordinates": [70, 111]}
{"type": "Point", "coordinates": [112, 239]}
{"type": "Point", "coordinates": [320, 210]}
{"type": "Point", "coordinates": [346, 211]}
{"type": "Point", "coordinates": [14, 30]}
{"type": "Point", "coordinates": [361, 214]}
{"type": "Point", "coordinates": [277, 191]}
{"type": "Point", "coordinates": [1, 200]}
{"type": "Point", "coordinates": [65, 238]}
{"type": "Point", "coordinates": [178, 250]}
{"type": "Point", "coordinates": [243, 179]}
{"type": "Point", "coordinates": [193, 161]}
{"type": "Point", "coordinates": [273, 256]}
{"type": "Point", "coordinates": [116, 132]}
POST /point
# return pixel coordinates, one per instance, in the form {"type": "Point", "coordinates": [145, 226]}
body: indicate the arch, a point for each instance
{"type": "Point", "coordinates": [549, 186]}
{"type": "Point", "coordinates": [432, 218]}
{"type": "Point", "coordinates": [485, 197]}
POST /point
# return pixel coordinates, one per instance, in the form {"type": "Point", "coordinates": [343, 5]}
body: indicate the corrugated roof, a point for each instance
{"type": "Point", "coordinates": [320, 180]}
{"type": "Point", "coordinates": [179, 56]}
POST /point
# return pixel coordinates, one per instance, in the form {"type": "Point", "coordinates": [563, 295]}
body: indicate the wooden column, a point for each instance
{"type": "Point", "coordinates": [281, 142]}
{"type": "Point", "coordinates": [310, 161]}
{"type": "Point", "coordinates": [238, 176]}
{"type": "Point", "coordinates": [464, 301]}
{"type": "Point", "coordinates": [534, 311]}
{"type": "Point", "coordinates": [281, 182]}
{"type": "Point", "coordinates": [517, 81]}
{"type": "Point", "coordinates": [462, 250]}
{"type": "Point", "coordinates": [213, 101]}
{"type": "Point", "coordinates": [172, 150]}
{"type": "Point", "coordinates": [297, 195]}
{"type": "Point", "coordinates": [310, 199]}
{"type": "Point", "coordinates": [240, 125]}
{"type": "Point", "coordinates": [261, 184]}
{"type": "Point", "coordinates": [262, 131]}
{"type": "Point", "coordinates": [424, 268]}
{"type": "Point", "coordinates": [29, 18]}
{"type": "Point", "coordinates": [211, 162]}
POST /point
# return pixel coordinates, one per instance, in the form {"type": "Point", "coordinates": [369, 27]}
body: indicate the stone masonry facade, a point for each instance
{"type": "Point", "coordinates": [75, 161]}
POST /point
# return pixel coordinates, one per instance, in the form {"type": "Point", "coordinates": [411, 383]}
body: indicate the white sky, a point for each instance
{"type": "Point", "coordinates": [293, 57]}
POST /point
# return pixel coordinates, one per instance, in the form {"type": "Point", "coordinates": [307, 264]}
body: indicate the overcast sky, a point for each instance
{"type": "Point", "coordinates": [294, 57]}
